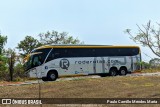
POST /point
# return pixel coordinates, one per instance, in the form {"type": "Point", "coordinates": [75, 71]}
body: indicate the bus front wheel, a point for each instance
{"type": "Point", "coordinates": [52, 76]}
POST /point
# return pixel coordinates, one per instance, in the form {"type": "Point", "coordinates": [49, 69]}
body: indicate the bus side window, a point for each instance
{"type": "Point", "coordinates": [56, 55]}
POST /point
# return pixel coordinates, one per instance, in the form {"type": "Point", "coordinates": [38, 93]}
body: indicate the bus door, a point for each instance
{"type": "Point", "coordinates": [98, 65]}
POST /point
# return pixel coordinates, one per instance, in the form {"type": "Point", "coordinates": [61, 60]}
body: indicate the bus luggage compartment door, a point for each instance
{"type": "Point", "coordinates": [99, 65]}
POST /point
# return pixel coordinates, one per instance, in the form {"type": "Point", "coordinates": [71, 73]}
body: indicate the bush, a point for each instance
{"type": "Point", "coordinates": [19, 71]}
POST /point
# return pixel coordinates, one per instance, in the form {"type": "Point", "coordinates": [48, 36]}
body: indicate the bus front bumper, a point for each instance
{"type": "Point", "coordinates": [33, 74]}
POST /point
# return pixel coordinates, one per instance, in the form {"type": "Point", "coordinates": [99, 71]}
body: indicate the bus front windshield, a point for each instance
{"type": "Point", "coordinates": [36, 58]}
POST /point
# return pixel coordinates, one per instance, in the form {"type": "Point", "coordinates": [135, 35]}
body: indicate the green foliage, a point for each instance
{"type": "Point", "coordinates": [3, 67]}
{"type": "Point", "coordinates": [11, 56]}
{"type": "Point", "coordinates": [19, 70]}
{"type": "Point", "coordinates": [57, 38]}
{"type": "Point", "coordinates": [17, 79]}
{"type": "Point", "coordinates": [11, 66]}
{"type": "Point", "coordinates": [3, 61]}
{"type": "Point", "coordinates": [3, 41]}
{"type": "Point", "coordinates": [27, 45]}
{"type": "Point", "coordinates": [11, 60]}
{"type": "Point", "coordinates": [145, 65]}
{"type": "Point", "coordinates": [155, 63]}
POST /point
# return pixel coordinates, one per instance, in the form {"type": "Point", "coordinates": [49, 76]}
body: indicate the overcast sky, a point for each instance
{"type": "Point", "coordinates": [92, 21]}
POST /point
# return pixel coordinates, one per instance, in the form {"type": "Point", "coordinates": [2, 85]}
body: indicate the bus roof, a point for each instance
{"type": "Point", "coordinates": [85, 46]}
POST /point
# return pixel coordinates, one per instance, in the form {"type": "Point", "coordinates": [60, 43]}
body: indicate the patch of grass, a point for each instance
{"type": "Point", "coordinates": [18, 79]}
{"type": "Point", "coordinates": [150, 70]}
{"type": "Point", "coordinates": [108, 87]}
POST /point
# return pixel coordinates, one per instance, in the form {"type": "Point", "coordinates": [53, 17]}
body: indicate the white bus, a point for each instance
{"type": "Point", "coordinates": [52, 61]}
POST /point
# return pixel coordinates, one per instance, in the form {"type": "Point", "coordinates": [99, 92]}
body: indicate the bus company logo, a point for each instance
{"type": "Point", "coordinates": [64, 63]}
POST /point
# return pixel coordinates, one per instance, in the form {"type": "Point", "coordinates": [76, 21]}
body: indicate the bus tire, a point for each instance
{"type": "Point", "coordinates": [52, 76]}
{"type": "Point", "coordinates": [113, 72]}
{"type": "Point", "coordinates": [123, 71]}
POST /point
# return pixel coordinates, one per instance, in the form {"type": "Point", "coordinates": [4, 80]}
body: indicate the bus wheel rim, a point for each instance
{"type": "Point", "coordinates": [52, 76]}
{"type": "Point", "coordinates": [123, 72]}
{"type": "Point", "coordinates": [113, 73]}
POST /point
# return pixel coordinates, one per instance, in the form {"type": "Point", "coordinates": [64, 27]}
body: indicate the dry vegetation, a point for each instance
{"type": "Point", "coordinates": [108, 87]}
{"type": "Point", "coordinates": [150, 70]}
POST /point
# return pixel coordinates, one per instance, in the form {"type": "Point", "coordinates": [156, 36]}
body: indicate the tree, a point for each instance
{"type": "Point", "coordinates": [2, 63]}
{"type": "Point", "coordinates": [27, 45]}
{"type": "Point", "coordinates": [11, 56]}
{"type": "Point", "coordinates": [3, 41]}
{"type": "Point", "coordinates": [3, 67]}
{"type": "Point", "coordinates": [148, 36]}
{"type": "Point", "coordinates": [19, 70]}
{"type": "Point", "coordinates": [57, 38]}
{"type": "Point", "coordinates": [155, 62]}
{"type": "Point", "coordinates": [145, 65]}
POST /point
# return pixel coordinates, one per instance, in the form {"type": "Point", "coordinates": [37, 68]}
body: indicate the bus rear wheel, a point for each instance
{"type": "Point", "coordinates": [113, 72]}
{"type": "Point", "coordinates": [52, 76]}
{"type": "Point", "coordinates": [123, 71]}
